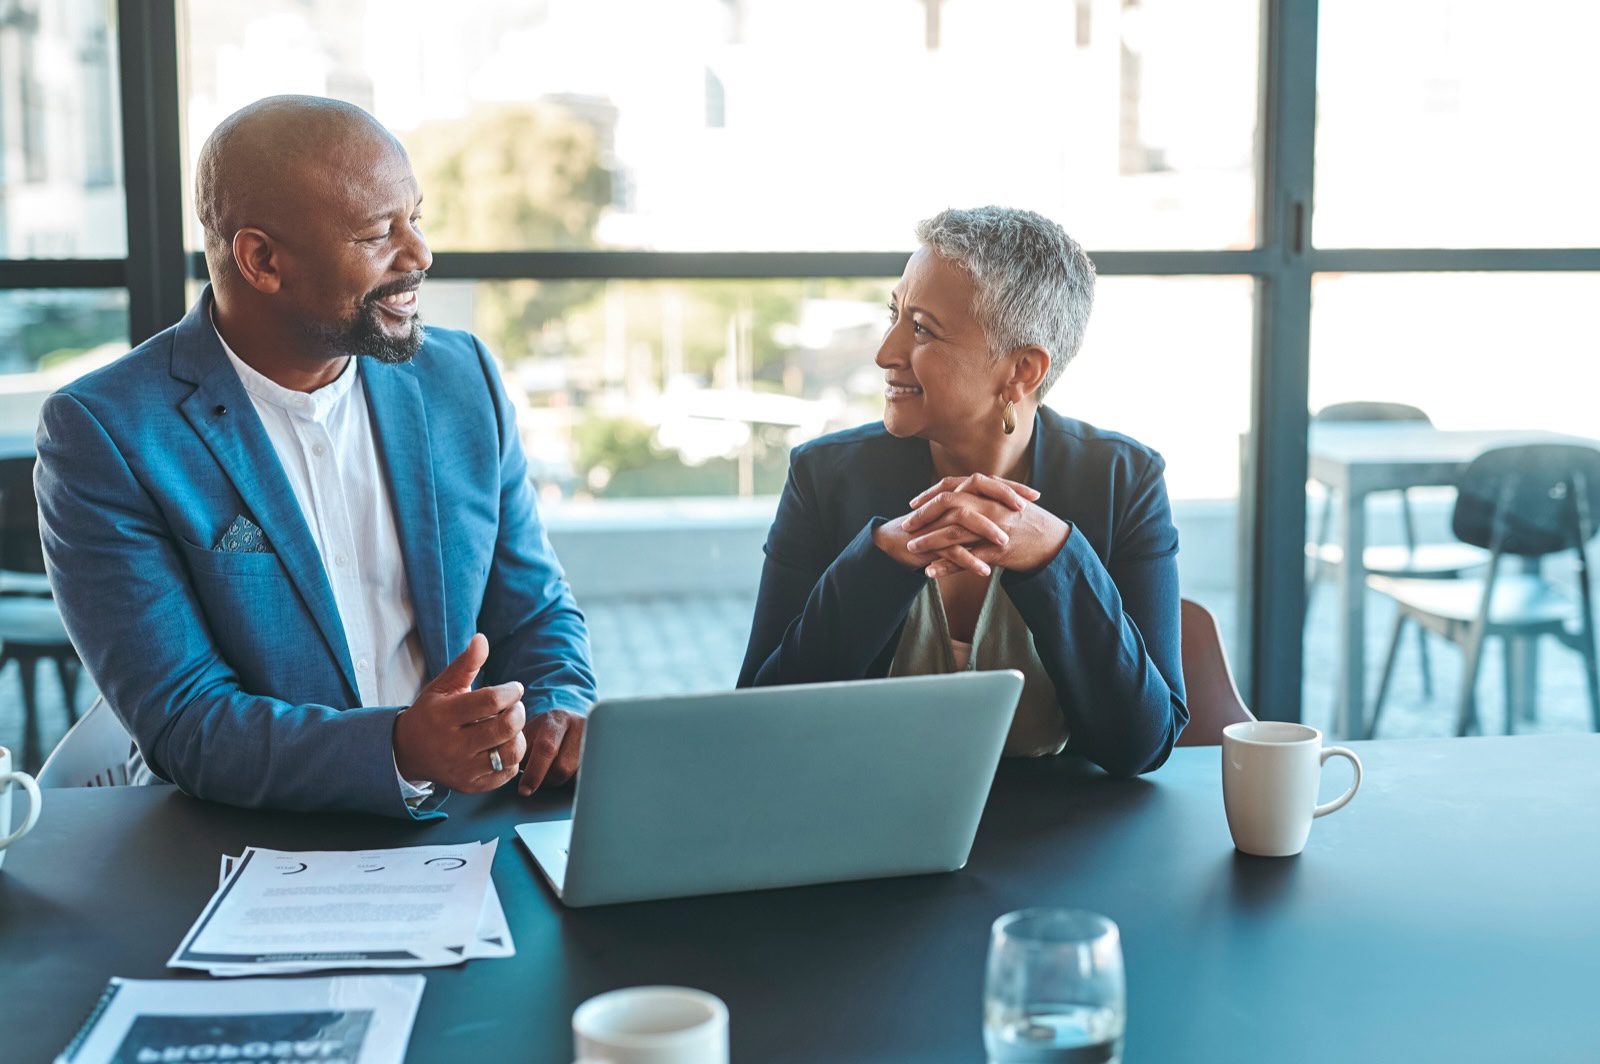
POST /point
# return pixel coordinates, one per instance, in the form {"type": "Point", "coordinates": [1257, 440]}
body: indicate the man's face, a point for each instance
{"type": "Point", "coordinates": [351, 275]}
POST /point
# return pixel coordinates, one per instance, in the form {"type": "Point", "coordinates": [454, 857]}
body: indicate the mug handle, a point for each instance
{"type": "Point", "coordinates": [1339, 803]}
{"type": "Point", "coordinates": [33, 804]}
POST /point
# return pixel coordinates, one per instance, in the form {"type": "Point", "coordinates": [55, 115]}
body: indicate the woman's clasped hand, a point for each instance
{"type": "Point", "coordinates": [974, 523]}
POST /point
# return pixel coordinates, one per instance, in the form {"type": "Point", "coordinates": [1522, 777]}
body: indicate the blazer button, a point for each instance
{"type": "Point", "coordinates": [220, 410]}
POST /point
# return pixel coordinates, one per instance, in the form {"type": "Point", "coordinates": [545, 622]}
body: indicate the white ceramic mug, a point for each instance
{"type": "Point", "coordinates": [652, 1025]}
{"type": "Point", "coordinates": [1270, 773]}
{"type": "Point", "coordinates": [7, 778]}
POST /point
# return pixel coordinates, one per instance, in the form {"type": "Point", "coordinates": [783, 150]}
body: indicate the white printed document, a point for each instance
{"type": "Point", "coordinates": [493, 937]}
{"type": "Point", "coordinates": [279, 911]}
{"type": "Point", "coordinates": [352, 1019]}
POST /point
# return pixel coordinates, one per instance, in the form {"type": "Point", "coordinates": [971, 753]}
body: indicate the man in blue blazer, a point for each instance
{"type": "Point", "coordinates": [293, 537]}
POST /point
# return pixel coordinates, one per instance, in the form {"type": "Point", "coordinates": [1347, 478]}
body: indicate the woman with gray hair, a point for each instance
{"type": "Point", "coordinates": [974, 528]}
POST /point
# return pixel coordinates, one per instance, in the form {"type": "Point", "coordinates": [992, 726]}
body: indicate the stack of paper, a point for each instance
{"type": "Point", "coordinates": [356, 1019]}
{"type": "Point", "coordinates": [277, 911]}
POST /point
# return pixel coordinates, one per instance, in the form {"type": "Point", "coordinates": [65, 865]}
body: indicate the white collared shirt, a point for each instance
{"type": "Point", "coordinates": [325, 444]}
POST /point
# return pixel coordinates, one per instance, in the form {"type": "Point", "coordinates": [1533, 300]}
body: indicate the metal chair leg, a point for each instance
{"type": "Point", "coordinates": [67, 672]}
{"type": "Point", "coordinates": [1591, 670]}
{"type": "Point", "coordinates": [1314, 577]}
{"type": "Point", "coordinates": [1467, 709]}
{"type": "Point", "coordinates": [1508, 682]}
{"type": "Point", "coordinates": [1427, 667]}
{"type": "Point", "coordinates": [1388, 671]}
{"type": "Point", "coordinates": [1586, 632]}
{"type": "Point", "coordinates": [27, 675]}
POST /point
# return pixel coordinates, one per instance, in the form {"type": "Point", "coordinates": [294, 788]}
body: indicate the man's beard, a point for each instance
{"type": "Point", "coordinates": [366, 335]}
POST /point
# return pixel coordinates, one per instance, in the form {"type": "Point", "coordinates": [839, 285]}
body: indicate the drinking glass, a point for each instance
{"type": "Point", "coordinates": [1054, 991]}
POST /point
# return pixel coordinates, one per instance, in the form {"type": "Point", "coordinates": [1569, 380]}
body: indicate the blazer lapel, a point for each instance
{"type": "Point", "coordinates": [394, 398]}
{"type": "Point", "coordinates": [1047, 460]}
{"type": "Point", "coordinates": [908, 474]}
{"type": "Point", "coordinates": [221, 412]}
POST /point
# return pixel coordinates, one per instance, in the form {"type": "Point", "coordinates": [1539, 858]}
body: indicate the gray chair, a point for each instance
{"type": "Point", "coordinates": [1526, 502]}
{"type": "Point", "coordinates": [1213, 697]}
{"type": "Point", "coordinates": [1409, 560]}
{"type": "Point", "coordinates": [31, 631]}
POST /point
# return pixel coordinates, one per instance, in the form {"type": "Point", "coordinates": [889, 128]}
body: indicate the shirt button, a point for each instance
{"type": "Point", "coordinates": [340, 560]}
{"type": "Point", "coordinates": [363, 665]}
{"type": "Point", "coordinates": [318, 450]}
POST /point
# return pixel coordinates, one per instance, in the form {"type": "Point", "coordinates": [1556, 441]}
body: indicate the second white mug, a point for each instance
{"type": "Point", "coordinates": [652, 1025]}
{"type": "Point", "coordinates": [1270, 773]}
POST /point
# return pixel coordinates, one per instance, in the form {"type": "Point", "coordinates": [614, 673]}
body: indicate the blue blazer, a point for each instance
{"type": "Point", "coordinates": [1103, 614]}
{"type": "Point", "coordinates": [231, 669]}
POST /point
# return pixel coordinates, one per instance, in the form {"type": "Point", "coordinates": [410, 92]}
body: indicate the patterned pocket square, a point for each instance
{"type": "Point", "coordinates": [244, 536]}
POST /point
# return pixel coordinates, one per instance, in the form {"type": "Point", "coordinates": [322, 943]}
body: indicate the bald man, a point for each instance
{"type": "Point", "coordinates": [292, 536]}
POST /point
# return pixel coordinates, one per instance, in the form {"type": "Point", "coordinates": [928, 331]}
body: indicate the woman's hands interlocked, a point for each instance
{"type": "Point", "coordinates": [974, 523]}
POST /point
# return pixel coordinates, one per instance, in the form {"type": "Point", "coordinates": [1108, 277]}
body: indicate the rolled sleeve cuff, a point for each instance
{"type": "Point", "coordinates": [413, 791]}
{"type": "Point", "coordinates": [571, 701]}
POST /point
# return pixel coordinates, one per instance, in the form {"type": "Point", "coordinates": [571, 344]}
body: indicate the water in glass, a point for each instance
{"type": "Point", "coordinates": [1053, 1034]}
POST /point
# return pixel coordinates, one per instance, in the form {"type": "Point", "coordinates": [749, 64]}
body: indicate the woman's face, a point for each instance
{"type": "Point", "coordinates": [942, 384]}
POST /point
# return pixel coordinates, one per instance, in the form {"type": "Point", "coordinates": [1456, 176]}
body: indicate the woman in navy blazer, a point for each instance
{"type": "Point", "coordinates": [968, 473]}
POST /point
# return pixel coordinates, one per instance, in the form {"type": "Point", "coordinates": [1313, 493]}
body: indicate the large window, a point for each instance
{"type": "Point", "coordinates": [728, 126]}
{"type": "Point", "coordinates": [741, 125]}
{"type": "Point", "coordinates": [675, 224]}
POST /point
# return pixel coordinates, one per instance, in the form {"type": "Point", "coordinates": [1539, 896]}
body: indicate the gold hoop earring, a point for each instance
{"type": "Point", "coordinates": [1008, 417]}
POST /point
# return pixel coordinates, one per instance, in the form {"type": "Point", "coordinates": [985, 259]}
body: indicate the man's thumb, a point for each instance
{"type": "Point", "coordinates": [459, 674]}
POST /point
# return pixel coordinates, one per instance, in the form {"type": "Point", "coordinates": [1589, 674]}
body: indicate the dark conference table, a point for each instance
{"type": "Point", "coordinates": [1450, 912]}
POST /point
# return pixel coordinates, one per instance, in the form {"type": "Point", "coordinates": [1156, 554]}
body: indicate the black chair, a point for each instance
{"type": "Point", "coordinates": [1527, 502]}
{"type": "Point", "coordinates": [1410, 560]}
{"type": "Point", "coordinates": [30, 625]}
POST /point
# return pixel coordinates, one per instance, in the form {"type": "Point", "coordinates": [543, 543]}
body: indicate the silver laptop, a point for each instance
{"type": "Point", "coordinates": [777, 786]}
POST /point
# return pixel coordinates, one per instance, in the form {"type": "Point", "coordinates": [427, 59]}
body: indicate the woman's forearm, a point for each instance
{"type": "Point", "coordinates": [1111, 647]}
{"type": "Point", "coordinates": [812, 628]}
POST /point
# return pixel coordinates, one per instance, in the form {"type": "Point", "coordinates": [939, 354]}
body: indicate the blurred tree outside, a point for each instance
{"type": "Point", "coordinates": [621, 459]}
{"type": "Point", "coordinates": [523, 176]}
{"type": "Point", "coordinates": [609, 445]}
{"type": "Point", "coordinates": [45, 330]}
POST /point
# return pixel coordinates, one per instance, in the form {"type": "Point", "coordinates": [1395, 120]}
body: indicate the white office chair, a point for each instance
{"type": "Point", "coordinates": [93, 753]}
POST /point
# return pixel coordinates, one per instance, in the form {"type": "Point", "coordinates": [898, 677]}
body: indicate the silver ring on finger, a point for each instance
{"type": "Point", "coordinates": [495, 764]}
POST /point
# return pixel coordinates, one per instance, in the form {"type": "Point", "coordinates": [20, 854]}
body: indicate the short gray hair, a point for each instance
{"type": "Point", "coordinates": [1035, 284]}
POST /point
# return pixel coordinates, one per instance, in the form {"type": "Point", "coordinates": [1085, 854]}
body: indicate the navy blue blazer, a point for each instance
{"type": "Point", "coordinates": [230, 668]}
{"type": "Point", "coordinates": [1103, 613]}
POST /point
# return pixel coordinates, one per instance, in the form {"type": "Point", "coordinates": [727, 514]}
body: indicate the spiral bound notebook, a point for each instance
{"type": "Point", "coordinates": [359, 1019]}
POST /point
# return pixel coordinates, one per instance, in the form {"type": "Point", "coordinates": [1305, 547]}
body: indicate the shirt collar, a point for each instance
{"type": "Point", "coordinates": [312, 406]}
